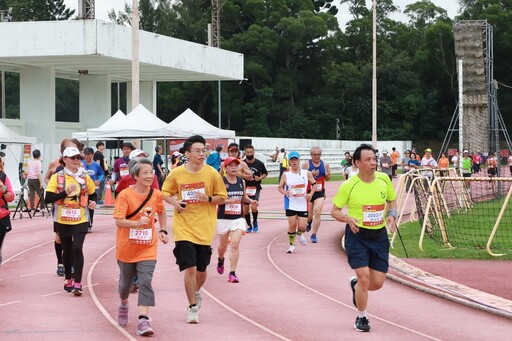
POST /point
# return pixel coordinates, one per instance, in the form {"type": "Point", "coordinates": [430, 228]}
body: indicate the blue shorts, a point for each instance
{"type": "Point", "coordinates": [367, 248]}
{"type": "Point", "coordinates": [189, 255]}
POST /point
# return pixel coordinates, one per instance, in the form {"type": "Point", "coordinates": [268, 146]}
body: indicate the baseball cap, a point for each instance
{"type": "Point", "coordinates": [70, 151]}
{"type": "Point", "coordinates": [428, 150]}
{"type": "Point", "coordinates": [293, 154]}
{"type": "Point", "coordinates": [128, 144]}
{"type": "Point", "coordinates": [465, 151]}
{"type": "Point", "coordinates": [136, 153]}
{"type": "Point", "coordinates": [176, 153]}
{"type": "Point", "coordinates": [233, 145]}
{"type": "Point", "coordinates": [231, 159]}
{"type": "Point", "coordinates": [384, 151]}
{"type": "Point", "coordinates": [88, 150]}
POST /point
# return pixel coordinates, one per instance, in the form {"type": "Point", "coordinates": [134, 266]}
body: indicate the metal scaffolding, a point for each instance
{"type": "Point", "coordinates": [86, 9]}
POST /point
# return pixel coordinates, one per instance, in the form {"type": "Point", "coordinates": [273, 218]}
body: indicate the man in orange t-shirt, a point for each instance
{"type": "Point", "coordinates": [394, 161]}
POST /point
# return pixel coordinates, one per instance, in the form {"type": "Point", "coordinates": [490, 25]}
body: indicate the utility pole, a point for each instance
{"type": "Point", "coordinates": [5, 16]}
{"type": "Point", "coordinates": [216, 7]}
{"type": "Point", "coordinates": [86, 9]}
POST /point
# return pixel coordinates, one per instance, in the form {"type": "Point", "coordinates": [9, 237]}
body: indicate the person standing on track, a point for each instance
{"type": "Point", "coordinates": [293, 186]}
{"type": "Point", "coordinates": [96, 173]}
{"type": "Point", "coordinates": [73, 193]}
{"type": "Point", "coordinates": [6, 196]}
{"type": "Point", "coordinates": [230, 221]}
{"type": "Point", "coordinates": [370, 198]}
{"type": "Point", "coordinates": [137, 240]}
{"type": "Point", "coordinates": [321, 173]}
{"type": "Point", "coordinates": [253, 189]}
{"type": "Point", "coordinates": [194, 190]}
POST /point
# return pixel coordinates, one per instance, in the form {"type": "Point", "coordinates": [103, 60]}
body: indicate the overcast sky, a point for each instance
{"type": "Point", "coordinates": [103, 6]}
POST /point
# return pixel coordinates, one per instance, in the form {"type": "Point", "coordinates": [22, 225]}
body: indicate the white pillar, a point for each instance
{"type": "Point", "coordinates": [37, 103]}
{"type": "Point", "coordinates": [147, 96]}
{"type": "Point", "coordinates": [95, 100]}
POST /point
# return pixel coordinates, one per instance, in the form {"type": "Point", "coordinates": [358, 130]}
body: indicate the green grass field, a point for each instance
{"type": "Point", "coordinates": [275, 180]}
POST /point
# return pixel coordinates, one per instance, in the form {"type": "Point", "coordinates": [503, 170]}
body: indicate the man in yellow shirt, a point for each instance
{"type": "Point", "coordinates": [194, 190]}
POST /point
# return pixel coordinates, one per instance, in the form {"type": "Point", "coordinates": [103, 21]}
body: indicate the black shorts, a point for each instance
{"type": "Point", "coordinates": [491, 171]}
{"type": "Point", "coordinates": [367, 248]}
{"type": "Point", "coordinates": [466, 175]}
{"type": "Point", "coordinates": [316, 195]}
{"type": "Point", "coordinates": [66, 231]}
{"type": "Point", "coordinates": [189, 254]}
{"type": "Point", "coordinates": [302, 214]}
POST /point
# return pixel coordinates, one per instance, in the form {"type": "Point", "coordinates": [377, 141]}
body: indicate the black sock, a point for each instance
{"type": "Point", "coordinates": [143, 317]}
{"type": "Point", "coordinates": [192, 305]}
{"type": "Point", "coordinates": [232, 273]}
{"type": "Point", "coordinates": [248, 219]}
{"type": "Point", "coordinates": [255, 217]}
{"type": "Point", "coordinates": [221, 260]}
{"type": "Point", "coordinates": [58, 252]}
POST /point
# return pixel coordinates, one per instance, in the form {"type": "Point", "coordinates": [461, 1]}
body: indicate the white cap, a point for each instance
{"type": "Point", "coordinates": [137, 153]}
{"type": "Point", "coordinates": [465, 151]}
{"type": "Point", "coordinates": [385, 151]}
{"type": "Point", "coordinates": [70, 151]}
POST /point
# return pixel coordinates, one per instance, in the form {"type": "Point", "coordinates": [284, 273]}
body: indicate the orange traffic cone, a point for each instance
{"type": "Point", "coordinates": [108, 195]}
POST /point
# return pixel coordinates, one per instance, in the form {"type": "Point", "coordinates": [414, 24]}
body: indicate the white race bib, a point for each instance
{"type": "Point", "coordinates": [250, 191]}
{"type": "Point", "coordinates": [141, 236]}
{"type": "Point", "coordinates": [233, 209]}
{"type": "Point", "coordinates": [298, 190]}
{"type": "Point", "coordinates": [373, 215]}
{"type": "Point", "coordinates": [124, 171]}
{"type": "Point", "coordinates": [70, 213]}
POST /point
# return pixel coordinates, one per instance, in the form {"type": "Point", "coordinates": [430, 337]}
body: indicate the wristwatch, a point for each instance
{"type": "Point", "coordinates": [209, 199]}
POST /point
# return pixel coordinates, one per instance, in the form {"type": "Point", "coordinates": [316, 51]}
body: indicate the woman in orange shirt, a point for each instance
{"type": "Point", "coordinates": [137, 240]}
{"type": "Point", "coordinates": [443, 164]}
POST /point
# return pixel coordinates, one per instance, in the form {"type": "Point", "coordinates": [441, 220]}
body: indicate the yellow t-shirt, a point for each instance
{"type": "Point", "coordinates": [71, 204]}
{"type": "Point", "coordinates": [366, 201]}
{"type": "Point", "coordinates": [198, 222]}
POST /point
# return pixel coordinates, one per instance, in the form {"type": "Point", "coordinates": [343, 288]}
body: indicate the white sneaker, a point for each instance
{"type": "Point", "coordinates": [199, 300]}
{"type": "Point", "coordinates": [303, 239]}
{"type": "Point", "coordinates": [193, 315]}
{"type": "Point", "coordinates": [291, 249]}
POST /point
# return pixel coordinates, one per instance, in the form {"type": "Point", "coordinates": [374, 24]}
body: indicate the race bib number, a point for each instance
{"type": "Point", "coordinates": [319, 186]}
{"type": "Point", "coordinates": [298, 190]}
{"type": "Point", "coordinates": [71, 212]}
{"type": "Point", "coordinates": [141, 236]}
{"type": "Point", "coordinates": [373, 215]}
{"type": "Point", "coordinates": [233, 209]}
{"type": "Point", "coordinates": [189, 192]}
{"type": "Point", "coordinates": [250, 191]}
{"type": "Point", "coordinates": [124, 171]}
{"type": "Point", "coordinates": [385, 165]}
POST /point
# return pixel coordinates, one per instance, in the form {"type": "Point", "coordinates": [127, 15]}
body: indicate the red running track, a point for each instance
{"type": "Point", "coordinates": [304, 296]}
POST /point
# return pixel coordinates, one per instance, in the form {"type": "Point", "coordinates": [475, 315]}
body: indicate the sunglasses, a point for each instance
{"type": "Point", "coordinates": [76, 157]}
{"type": "Point", "coordinates": [233, 150]}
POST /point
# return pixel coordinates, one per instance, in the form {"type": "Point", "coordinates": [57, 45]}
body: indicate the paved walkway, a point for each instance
{"type": "Point", "coordinates": [304, 296]}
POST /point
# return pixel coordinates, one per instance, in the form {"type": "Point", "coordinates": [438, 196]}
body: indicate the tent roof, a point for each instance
{"type": "Point", "coordinates": [189, 123]}
{"type": "Point", "coordinates": [140, 123]}
{"type": "Point", "coordinates": [9, 136]}
{"type": "Point", "coordinates": [96, 133]}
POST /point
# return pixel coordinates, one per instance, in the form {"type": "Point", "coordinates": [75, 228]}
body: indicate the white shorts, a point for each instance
{"type": "Point", "coordinates": [226, 225]}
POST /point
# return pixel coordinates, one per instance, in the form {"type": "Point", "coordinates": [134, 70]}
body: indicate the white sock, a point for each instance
{"type": "Point", "coordinates": [362, 313]}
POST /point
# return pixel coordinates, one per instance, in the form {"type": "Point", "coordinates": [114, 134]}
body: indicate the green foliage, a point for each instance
{"type": "Point", "coordinates": [37, 10]}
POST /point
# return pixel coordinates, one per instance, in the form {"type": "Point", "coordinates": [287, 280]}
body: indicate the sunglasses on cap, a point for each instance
{"type": "Point", "coordinates": [233, 150]}
{"type": "Point", "coordinates": [74, 157]}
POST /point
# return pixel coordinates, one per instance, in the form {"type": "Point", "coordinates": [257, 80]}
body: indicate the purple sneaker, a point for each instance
{"type": "Point", "coordinates": [122, 315]}
{"type": "Point", "coordinates": [233, 279]}
{"type": "Point", "coordinates": [77, 289]}
{"type": "Point", "coordinates": [220, 266]}
{"type": "Point", "coordinates": [143, 328]}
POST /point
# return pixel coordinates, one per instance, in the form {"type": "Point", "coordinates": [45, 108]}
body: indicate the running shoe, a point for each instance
{"type": "Point", "coordinates": [199, 300]}
{"type": "Point", "coordinates": [308, 226]}
{"type": "Point", "coordinates": [362, 324]}
{"type": "Point", "coordinates": [143, 328]}
{"type": "Point", "coordinates": [313, 238]}
{"type": "Point", "coordinates": [60, 270]}
{"type": "Point", "coordinates": [291, 249]}
{"type": "Point", "coordinates": [68, 285]}
{"type": "Point", "coordinates": [353, 283]}
{"type": "Point", "coordinates": [249, 229]}
{"type": "Point", "coordinates": [193, 315]}
{"type": "Point", "coordinates": [220, 266]}
{"type": "Point", "coordinates": [233, 279]}
{"type": "Point", "coordinates": [77, 289]}
{"type": "Point", "coordinates": [122, 315]}
{"type": "Point", "coordinates": [255, 226]}
{"type": "Point", "coordinates": [303, 239]}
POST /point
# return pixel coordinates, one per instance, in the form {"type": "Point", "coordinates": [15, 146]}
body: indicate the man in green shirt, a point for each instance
{"type": "Point", "coordinates": [370, 198]}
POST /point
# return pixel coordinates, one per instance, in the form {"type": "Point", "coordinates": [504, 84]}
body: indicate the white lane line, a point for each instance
{"type": "Point", "coordinates": [243, 317]}
{"type": "Point", "coordinates": [26, 250]}
{"type": "Point", "coordinates": [9, 303]}
{"type": "Point", "coordinates": [97, 302]}
{"type": "Point", "coordinates": [269, 256]}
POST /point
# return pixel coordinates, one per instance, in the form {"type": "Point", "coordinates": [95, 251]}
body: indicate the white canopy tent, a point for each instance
{"type": "Point", "coordinates": [189, 123]}
{"type": "Point", "coordinates": [13, 153]}
{"type": "Point", "coordinates": [95, 133]}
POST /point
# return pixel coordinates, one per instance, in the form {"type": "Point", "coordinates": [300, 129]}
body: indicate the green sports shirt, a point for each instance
{"type": "Point", "coordinates": [366, 201]}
